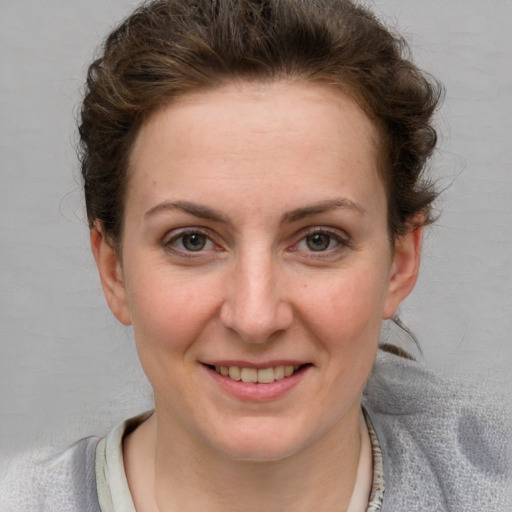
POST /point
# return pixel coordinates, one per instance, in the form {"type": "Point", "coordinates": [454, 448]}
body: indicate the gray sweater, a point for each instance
{"type": "Point", "coordinates": [446, 447]}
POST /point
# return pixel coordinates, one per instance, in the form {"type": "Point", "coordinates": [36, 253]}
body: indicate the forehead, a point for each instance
{"type": "Point", "coordinates": [310, 134]}
{"type": "Point", "coordinates": [260, 107]}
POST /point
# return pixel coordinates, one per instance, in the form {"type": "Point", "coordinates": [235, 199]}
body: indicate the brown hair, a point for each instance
{"type": "Point", "coordinates": [167, 48]}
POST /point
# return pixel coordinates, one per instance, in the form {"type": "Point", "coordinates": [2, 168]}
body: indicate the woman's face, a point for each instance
{"type": "Point", "coordinates": [255, 244]}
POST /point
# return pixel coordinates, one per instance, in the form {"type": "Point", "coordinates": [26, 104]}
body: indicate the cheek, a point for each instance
{"type": "Point", "coordinates": [346, 310]}
{"type": "Point", "coordinates": [170, 311]}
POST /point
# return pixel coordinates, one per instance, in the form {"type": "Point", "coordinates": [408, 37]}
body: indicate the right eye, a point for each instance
{"type": "Point", "coordinates": [188, 242]}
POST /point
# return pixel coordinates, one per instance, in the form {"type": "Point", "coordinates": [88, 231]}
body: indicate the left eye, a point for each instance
{"type": "Point", "coordinates": [320, 242]}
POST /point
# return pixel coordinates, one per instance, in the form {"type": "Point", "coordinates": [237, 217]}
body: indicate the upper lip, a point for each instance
{"type": "Point", "coordinates": [257, 365]}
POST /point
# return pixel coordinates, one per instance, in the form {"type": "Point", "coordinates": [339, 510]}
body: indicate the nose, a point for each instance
{"type": "Point", "coordinates": [255, 305]}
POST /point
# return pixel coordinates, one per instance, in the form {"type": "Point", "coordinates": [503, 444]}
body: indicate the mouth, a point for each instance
{"type": "Point", "coordinates": [258, 375]}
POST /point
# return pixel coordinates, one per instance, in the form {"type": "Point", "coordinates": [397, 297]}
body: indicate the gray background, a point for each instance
{"type": "Point", "coordinates": [68, 370]}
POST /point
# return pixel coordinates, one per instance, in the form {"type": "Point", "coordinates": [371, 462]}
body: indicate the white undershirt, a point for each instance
{"type": "Point", "coordinates": [364, 476]}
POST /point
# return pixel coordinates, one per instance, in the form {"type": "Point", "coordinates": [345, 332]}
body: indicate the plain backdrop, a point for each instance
{"type": "Point", "coordinates": [68, 370]}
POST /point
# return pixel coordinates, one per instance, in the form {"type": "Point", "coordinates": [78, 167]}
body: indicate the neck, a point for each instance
{"type": "Point", "coordinates": [174, 472]}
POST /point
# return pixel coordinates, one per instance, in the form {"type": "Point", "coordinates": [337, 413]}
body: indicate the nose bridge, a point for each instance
{"type": "Point", "coordinates": [255, 305]}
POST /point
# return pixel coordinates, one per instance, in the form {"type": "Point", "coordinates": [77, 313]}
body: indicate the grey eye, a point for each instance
{"type": "Point", "coordinates": [194, 241]}
{"type": "Point", "coordinates": [318, 241]}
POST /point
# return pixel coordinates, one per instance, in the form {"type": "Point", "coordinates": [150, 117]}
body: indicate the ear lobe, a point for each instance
{"type": "Point", "coordinates": [111, 274]}
{"type": "Point", "coordinates": [405, 269]}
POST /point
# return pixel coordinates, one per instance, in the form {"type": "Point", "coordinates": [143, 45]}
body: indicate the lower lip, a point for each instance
{"type": "Point", "coordinates": [257, 392]}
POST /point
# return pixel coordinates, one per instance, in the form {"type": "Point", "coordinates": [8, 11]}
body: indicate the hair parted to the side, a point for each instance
{"type": "Point", "coordinates": [168, 48]}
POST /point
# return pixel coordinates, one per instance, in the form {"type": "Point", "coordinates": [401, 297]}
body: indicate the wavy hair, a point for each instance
{"type": "Point", "coordinates": [168, 48]}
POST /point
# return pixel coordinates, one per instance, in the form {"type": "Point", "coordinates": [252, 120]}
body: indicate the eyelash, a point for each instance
{"type": "Point", "coordinates": [342, 242]}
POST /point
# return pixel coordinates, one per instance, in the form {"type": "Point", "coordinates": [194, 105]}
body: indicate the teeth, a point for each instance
{"type": "Point", "coordinates": [279, 372]}
{"type": "Point", "coordinates": [249, 374]}
{"type": "Point", "coordinates": [263, 376]}
{"type": "Point", "coordinates": [266, 375]}
{"type": "Point", "coordinates": [234, 373]}
{"type": "Point", "coordinates": [288, 370]}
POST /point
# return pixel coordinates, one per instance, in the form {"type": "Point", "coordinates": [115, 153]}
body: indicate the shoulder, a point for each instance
{"type": "Point", "coordinates": [445, 442]}
{"type": "Point", "coordinates": [41, 482]}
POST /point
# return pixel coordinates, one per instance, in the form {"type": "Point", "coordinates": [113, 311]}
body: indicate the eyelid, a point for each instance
{"type": "Point", "coordinates": [173, 234]}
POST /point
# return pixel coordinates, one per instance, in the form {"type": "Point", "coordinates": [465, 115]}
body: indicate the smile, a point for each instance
{"type": "Point", "coordinates": [261, 376]}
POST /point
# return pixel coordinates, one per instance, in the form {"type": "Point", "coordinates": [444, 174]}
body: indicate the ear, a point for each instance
{"type": "Point", "coordinates": [111, 274]}
{"type": "Point", "coordinates": [404, 270]}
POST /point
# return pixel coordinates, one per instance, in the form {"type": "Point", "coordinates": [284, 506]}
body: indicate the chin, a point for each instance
{"type": "Point", "coordinates": [259, 451]}
{"type": "Point", "coordinates": [262, 441]}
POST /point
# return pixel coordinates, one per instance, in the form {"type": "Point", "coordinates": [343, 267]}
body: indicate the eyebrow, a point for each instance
{"type": "Point", "coordinates": [198, 210]}
{"type": "Point", "coordinates": [322, 207]}
{"type": "Point", "coordinates": [205, 212]}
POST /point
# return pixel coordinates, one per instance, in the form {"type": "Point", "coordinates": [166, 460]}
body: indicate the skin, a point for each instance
{"type": "Point", "coordinates": [276, 163]}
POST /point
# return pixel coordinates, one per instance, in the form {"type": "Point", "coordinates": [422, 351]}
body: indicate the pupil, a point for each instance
{"type": "Point", "coordinates": [318, 242]}
{"type": "Point", "coordinates": [194, 242]}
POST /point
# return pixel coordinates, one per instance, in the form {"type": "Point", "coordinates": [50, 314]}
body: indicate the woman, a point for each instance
{"type": "Point", "coordinates": [253, 175]}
